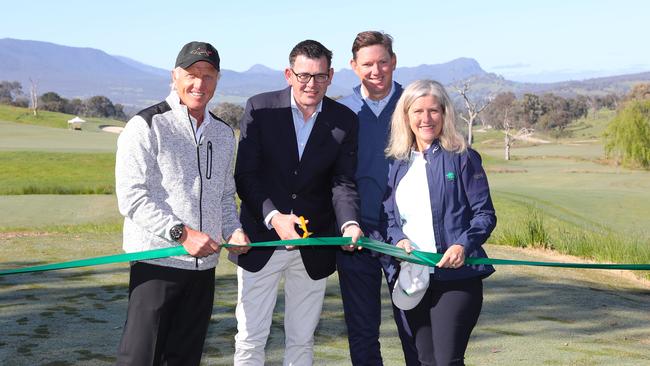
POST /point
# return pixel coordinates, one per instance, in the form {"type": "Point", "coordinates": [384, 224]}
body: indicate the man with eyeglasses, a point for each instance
{"type": "Point", "coordinates": [296, 157]}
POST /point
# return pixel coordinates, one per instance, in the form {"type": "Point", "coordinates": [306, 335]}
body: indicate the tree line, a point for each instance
{"type": "Point", "coordinates": [11, 93]}
{"type": "Point", "coordinates": [547, 112]}
{"type": "Point", "coordinates": [627, 138]}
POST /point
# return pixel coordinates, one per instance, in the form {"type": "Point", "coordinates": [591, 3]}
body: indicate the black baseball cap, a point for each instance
{"type": "Point", "coordinates": [197, 51]}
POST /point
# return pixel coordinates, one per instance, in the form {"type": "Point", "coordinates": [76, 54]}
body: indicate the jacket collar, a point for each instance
{"type": "Point", "coordinates": [180, 109]}
{"type": "Point", "coordinates": [435, 146]}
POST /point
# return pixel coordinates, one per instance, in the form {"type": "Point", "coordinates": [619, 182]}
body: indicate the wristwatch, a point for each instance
{"type": "Point", "coordinates": [176, 232]}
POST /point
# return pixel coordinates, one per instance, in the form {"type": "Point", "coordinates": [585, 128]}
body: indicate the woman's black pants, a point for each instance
{"type": "Point", "coordinates": [444, 319]}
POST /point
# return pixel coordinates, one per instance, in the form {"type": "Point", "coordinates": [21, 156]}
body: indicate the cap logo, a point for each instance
{"type": "Point", "coordinates": [201, 51]}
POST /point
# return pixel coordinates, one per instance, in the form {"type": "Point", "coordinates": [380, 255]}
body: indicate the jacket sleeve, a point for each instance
{"type": "Point", "coordinates": [483, 218]}
{"type": "Point", "coordinates": [345, 198]}
{"type": "Point", "coordinates": [136, 171]}
{"type": "Point", "coordinates": [391, 224]}
{"type": "Point", "coordinates": [228, 205]}
{"type": "Point", "coordinates": [250, 187]}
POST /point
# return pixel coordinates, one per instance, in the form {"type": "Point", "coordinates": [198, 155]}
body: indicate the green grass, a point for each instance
{"type": "Point", "coordinates": [25, 115]}
{"type": "Point", "coordinates": [580, 192]}
{"type": "Point", "coordinates": [592, 126]}
{"type": "Point", "coordinates": [76, 316]}
{"type": "Point", "coordinates": [560, 196]}
{"type": "Point", "coordinates": [550, 196]}
{"type": "Point", "coordinates": [24, 137]}
{"type": "Point", "coordinates": [582, 141]}
{"type": "Point", "coordinates": [51, 119]}
{"type": "Point", "coordinates": [575, 207]}
{"type": "Point", "coordinates": [86, 228]}
{"type": "Point", "coordinates": [59, 213]}
{"type": "Point", "coordinates": [490, 134]}
{"type": "Point", "coordinates": [32, 172]}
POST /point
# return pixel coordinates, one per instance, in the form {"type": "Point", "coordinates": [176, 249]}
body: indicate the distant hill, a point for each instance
{"type": "Point", "coordinates": [144, 67]}
{"type": "Point", "coordinates": [75, 72]}
{"type": "Point", "coordinates": [492, 84]}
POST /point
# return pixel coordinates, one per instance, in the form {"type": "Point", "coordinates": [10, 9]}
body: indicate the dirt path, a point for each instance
{"type": "Point", "coordinates": [531, 315]}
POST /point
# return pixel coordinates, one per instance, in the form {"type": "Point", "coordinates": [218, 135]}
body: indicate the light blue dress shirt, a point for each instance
{"type": "Point", "coordinates": [376, 106]}
{"type": "Point", "coordinates": [303, 128]}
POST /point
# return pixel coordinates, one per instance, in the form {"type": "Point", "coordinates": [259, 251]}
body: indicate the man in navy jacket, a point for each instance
{"type": "Point", "coordinates": [297, 157]}
{"type": "Point", "coordinates": [360, 272]}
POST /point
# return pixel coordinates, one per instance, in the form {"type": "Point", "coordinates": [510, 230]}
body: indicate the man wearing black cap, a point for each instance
{"type": "Point", "coordinates": [174, 186]}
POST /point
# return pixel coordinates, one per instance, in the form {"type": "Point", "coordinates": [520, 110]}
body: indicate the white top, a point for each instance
{"type": "Point", "coordinates": [414, 205]}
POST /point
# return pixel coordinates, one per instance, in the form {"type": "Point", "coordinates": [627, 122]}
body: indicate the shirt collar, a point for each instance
{"type": "Point", "coordinates": [381, 101]}
{"type": "Point", "coordinates": [294, 105]}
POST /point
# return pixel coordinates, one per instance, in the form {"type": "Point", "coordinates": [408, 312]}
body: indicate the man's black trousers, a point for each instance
{"type": "Point", "coordinates": [168, 315]}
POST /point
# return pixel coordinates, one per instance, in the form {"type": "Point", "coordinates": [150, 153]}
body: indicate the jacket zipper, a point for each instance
{"type": "Point", "coordinates": [198, 163]}
{"type": "Point", "coordinates": [434, 215]}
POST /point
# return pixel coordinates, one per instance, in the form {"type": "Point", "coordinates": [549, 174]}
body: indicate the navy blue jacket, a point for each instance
{"type": "Point", "coordinates": [270, 176]}
{"type": "Point", "coordinates": [372, 167]}
{"type": "Point", "coordinates": [461, 206]}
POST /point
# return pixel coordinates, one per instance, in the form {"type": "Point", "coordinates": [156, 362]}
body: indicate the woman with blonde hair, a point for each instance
{"type": "Point", "coordinates": [438, 200]}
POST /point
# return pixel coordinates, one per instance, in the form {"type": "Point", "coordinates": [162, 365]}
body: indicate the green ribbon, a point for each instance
{"type": "Point", "coordinates": [419, 257]}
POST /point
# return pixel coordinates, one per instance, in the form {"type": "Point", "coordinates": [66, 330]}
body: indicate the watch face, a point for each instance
{"type": "Point", "coordinates": [176, 232]}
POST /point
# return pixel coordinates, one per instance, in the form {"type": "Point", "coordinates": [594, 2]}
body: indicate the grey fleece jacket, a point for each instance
{"type": "Point", "coordinates": [164, 178]}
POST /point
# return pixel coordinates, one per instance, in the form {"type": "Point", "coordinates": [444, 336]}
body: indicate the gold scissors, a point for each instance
{"type": "Point", "coordinates": [303, 226]}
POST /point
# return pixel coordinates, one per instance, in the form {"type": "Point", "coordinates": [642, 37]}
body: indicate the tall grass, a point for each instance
{"type": "Point", "coordinates": [528, 232]}
{"type": "Point", "coordinates": [528, 226]}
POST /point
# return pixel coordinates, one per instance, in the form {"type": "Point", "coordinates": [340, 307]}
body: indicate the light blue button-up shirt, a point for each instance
{"type": "Point", "coordinates": [303, 128]}
{"type": "Point", "coordinates": [376, 106]}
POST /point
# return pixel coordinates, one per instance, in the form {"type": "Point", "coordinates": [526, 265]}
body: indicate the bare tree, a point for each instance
{"type": "Point", "coordinates": [506, 129]}
{"type": "Point", "coordinates": [473, 109]}
{"type": "Point", "coordinates": [523, 134]}
{"type": "Point", "coordinates": [34, 96]}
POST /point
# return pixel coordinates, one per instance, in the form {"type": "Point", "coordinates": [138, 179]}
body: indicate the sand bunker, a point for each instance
{"type": "Point", "coordinates": [112, 129]}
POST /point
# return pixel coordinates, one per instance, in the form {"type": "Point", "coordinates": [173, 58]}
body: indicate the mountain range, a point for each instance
{"type": "Point", "coordinates": [75, 72]}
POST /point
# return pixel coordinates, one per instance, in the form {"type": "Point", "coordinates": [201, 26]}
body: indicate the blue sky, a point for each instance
{"type": "Point", "coordinates": [512, 38]}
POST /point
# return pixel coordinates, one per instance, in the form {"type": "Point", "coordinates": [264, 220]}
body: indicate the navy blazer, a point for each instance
{"type": "Point", "coordinates": [270, 176]}
{"type": "Point", "coordinates": [461, 206]}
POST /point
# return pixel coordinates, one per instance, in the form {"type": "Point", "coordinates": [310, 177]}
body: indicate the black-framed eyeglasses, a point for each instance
{"type": "Point", "coordinates": [305, 77]}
